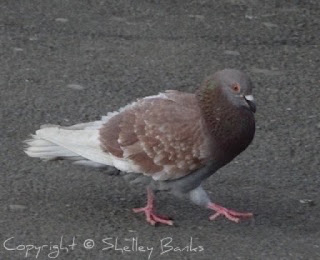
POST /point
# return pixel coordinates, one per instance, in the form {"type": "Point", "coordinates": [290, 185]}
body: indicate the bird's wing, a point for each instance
{"type": "Point", "coordinates": [163, 136]}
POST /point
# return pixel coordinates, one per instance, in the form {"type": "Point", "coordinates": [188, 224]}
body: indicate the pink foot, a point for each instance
{"type": "Point", "coordinates": [228, 213]}
{"type": "Point", "coordinates": [148, 210]}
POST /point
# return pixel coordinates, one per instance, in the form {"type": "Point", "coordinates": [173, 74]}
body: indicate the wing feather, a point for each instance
{"type": "Point", "coordinates": [163, 136]}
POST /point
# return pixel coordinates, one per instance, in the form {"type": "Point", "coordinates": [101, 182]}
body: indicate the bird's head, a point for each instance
{"type": "Point", "coordinates": [235, 85]}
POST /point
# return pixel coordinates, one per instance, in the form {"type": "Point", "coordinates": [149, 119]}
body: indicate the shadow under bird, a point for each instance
{"type": "Point", "coordinates": [174, 139]}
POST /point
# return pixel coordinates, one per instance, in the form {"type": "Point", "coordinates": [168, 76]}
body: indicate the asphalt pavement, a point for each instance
{"type": "Point", "coordinates": [68, 61]}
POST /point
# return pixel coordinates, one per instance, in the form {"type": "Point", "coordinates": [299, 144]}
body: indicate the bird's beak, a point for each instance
{"type": "Point", "coordinates": [250, 101]}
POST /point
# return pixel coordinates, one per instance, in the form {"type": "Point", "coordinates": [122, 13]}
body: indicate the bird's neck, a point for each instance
{"type": "Point", "coordinates": [231, 128]}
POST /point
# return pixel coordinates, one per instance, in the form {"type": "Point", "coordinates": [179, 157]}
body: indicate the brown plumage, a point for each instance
{"type": "Point", "coordinates": [176, 139]}
{"type": "Point", "coordinates": [163, 135]}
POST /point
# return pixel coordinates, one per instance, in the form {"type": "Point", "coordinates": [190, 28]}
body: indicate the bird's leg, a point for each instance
{"type": "Point", "coordinates": [200, 197]}
{"type": "Point", "coordinates": [148, 210]}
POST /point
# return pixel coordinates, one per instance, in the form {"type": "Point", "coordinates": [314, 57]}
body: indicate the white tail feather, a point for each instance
{"type": "Point", "coordinates": [79, 143]}
{"type": "Point", "coordinates": [46, 150]}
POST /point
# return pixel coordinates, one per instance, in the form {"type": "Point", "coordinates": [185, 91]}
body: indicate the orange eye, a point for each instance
{"type": "Point", "coordinates": [236, 87]}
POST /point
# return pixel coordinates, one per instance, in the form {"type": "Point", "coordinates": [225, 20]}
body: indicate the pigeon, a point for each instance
{"type": "Point", "coordinates": [176, 140]}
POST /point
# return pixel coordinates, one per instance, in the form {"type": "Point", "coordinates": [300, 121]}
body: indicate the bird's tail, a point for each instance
{"type": "Point", "coordinates": [79, 143]}
{"type": "Point", "coordinates": [39, 147]}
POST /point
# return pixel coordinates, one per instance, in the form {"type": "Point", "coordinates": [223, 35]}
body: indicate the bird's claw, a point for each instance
{"type": "Point", "coordinates": [228, 213]}
{"type": "Point", "coordinates": [153, 218]}
{"type": "Point", "coordinates": [148, 210]}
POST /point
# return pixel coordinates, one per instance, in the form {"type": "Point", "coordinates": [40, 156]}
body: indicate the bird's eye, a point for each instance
{"type": "Point", "coordinates": [236, 87]}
